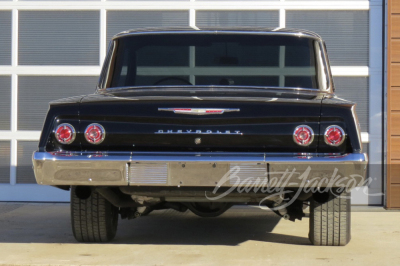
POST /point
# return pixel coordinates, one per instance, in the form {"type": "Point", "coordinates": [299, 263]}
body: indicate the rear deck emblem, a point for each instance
{"type": "Point", "coordinates": [200, 111]}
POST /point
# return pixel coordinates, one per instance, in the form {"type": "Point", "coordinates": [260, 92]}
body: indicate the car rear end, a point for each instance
{"type": "Point", "coordinates": [204, 120]}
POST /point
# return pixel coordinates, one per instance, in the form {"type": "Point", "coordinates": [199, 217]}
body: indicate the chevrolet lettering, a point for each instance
{"type": "Point", "coordinates": [217, 132]}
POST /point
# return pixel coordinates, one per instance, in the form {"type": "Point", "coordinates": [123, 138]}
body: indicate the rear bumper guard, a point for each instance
{"type": "Point", "coordinates": [199, 169]}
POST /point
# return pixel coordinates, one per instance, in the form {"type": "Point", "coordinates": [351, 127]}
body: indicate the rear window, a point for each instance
{"type": "Point", "coordinates": [214, 60]}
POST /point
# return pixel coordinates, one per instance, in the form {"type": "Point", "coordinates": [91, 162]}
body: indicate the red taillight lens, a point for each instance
{"type": "Point", "coordinates": [334, 135]}
{"type": "Point", "coordinates": [95, 133]}
{"type": "Point", "coordinates": [65, 133]}
{"type": "Point", "coordinates": [303, 135]}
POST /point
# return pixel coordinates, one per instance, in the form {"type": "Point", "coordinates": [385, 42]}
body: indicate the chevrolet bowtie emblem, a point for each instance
{"type": "Point", "coordinates": [200, 111]}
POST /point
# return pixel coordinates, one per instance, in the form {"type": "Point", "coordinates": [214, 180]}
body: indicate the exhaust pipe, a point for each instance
{"type": "Point", "coordinates": [116, 199]}
{"type": "Point", "coordinates": [83, 192]}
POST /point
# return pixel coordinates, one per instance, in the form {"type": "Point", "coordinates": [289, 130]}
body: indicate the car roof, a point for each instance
{"type": "Point", "coordinates": [232, 30]}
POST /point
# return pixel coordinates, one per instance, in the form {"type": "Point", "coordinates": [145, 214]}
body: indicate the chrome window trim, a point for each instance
{"type": "Point", "coordinates": [147, 31]}
{"type": "Point", "coordinates": [322, 64]}
{"type": "Point", "coordinates": [211, 87]}
{"type": "Point", "coordinates": [324, 68]}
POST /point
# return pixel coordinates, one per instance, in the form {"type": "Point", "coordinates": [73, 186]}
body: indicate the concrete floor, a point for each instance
{"type": "Point", "coordinates": [40, 234]}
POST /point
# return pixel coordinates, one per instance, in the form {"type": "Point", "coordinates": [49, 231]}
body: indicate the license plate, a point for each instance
{"type": "Point", "coordinates": [196, 174]}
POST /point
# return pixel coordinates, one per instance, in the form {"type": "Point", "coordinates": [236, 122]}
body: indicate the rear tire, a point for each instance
{"type": "Point", "coordinates": [330, 221]}
{"type": "Point", "coordinates": [93, 219]}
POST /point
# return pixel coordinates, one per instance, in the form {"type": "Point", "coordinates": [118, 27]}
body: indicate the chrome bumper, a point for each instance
{"type": "Point", "coordinates": [198, 169]}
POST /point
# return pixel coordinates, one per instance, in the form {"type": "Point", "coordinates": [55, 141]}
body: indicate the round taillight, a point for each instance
{"type": "Point", "coordinates": [303, 135]}
{"type": "Point", "coordinates": [65, 133]}
{"type": "Point", "coordinates": [334, 135]}
{"type": "Point", "coordinates": [95, 133]}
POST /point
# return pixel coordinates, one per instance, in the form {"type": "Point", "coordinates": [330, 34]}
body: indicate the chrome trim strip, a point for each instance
{"type": "Point", "coordinates": [321, 66]}
{"type": "Point", "coordinates": [110, 169]}
{"type": "Point", "coordinates": [198, 157]}
{"type": "Point", "coordinates": [305, 34]}
{"type": "Point", "coordinates": [327, 68]}
{"type": "Point", "coordinates": [212, 87]}
{"type": "Point", "coordinates": [106, 68]}
{"type": "Point", "coordinates": [199, 111]}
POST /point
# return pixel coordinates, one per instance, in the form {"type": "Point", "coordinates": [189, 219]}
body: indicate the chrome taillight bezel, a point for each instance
{"type": "Point", "coordinates": [65, 141]}
{"type": "Point", "coordinates": [295, 133]}
{"type": "Point", "coordinates": [103, 133]}
{"type": "Point", "coordinates": [341, 131]}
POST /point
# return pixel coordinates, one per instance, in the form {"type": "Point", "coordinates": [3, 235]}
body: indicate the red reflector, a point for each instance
{"type": "Point", "coordinates": [65, 133]}
{"type": "Point", "coordinates": [95, 133]}
{"type": "Point", "coordinates": [182, 109]}
{"type": "Point", "coordinates": [214, 111]}
{"type": "Point", "coordinates": [334, 135]}
{"type": "Point", "coordinates": [303, 135]}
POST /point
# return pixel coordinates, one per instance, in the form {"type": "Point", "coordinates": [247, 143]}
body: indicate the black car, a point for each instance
{"type": "Point", "coordinates": [203, 119]}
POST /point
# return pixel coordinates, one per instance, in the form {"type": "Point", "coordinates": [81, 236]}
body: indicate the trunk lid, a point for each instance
{"type": "Point", "coordinates": [261, 121]}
